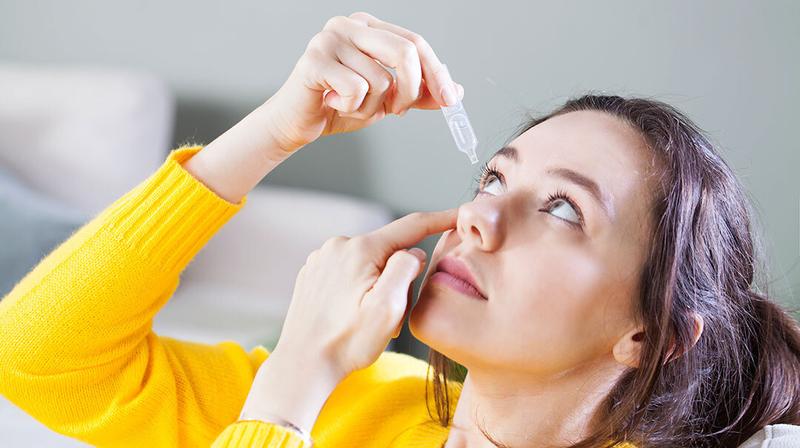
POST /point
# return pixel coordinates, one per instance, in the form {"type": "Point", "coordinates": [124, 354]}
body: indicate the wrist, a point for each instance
{"type": "Point", "coordinates": [291, 359]}
{"type": "Point", "coordinates": [236, 161]}
{"type": "Point", "coordinates": [266, 119]}
{"type": "Point", "coordinates": [291, 388]}
{"type": "Point", "coordinates": [283, 126]}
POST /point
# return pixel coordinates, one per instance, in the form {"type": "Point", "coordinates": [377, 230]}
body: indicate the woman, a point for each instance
{"type": "Point", "coordinates": [599, 289]}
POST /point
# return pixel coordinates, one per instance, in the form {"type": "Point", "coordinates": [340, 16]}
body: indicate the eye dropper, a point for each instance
{"type": "Point", "coordinates": [460, 128]}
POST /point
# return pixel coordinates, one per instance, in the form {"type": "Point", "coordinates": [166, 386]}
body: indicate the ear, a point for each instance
{"type": "Point", "coordinates": [699, 324]}
{"type": "Point", "coordinates": [629, 347]}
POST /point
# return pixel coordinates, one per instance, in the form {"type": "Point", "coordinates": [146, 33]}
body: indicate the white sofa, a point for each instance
{"type": "Point", "coordinates": [85, 136]}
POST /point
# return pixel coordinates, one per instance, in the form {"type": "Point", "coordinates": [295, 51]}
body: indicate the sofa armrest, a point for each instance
{"type": "Point", "coordinates": [66, 131]}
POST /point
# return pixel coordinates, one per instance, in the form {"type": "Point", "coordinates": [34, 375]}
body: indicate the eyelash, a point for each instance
{"type": "Point", "coordinates": [488, 170]}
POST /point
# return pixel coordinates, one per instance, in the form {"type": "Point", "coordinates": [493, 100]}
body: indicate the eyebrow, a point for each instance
{"type": "Point", "coordinates": [511, 153]}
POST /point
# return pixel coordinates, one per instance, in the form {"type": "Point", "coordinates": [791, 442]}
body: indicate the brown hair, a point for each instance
{"type": "Point", "coordinates": [744, 371]}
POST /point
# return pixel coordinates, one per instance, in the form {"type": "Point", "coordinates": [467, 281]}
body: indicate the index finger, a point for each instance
{"type": "Point", "coordinates": [411, 229]}
{"type": "Point", "coordinates": [391, 50]}
{"type": "Point", "coordinates": [436, 76]}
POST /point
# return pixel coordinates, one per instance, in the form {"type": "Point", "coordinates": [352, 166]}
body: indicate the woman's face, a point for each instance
{"type": "Point", "coordinates": [556, 241]}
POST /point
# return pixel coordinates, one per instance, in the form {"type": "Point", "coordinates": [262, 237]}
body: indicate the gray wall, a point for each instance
{"type": "Point", "coordinates": [732, 66]}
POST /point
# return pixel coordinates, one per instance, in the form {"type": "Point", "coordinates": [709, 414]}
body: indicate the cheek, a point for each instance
{"type": "Point", "coordinates": [552, 315]}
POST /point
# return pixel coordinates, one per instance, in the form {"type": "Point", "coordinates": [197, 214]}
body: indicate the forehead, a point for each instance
{"type": "Point", "coordinates": [596, 144]}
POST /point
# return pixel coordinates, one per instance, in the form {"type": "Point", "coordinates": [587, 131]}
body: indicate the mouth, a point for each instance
{"type": "Point", "coordinates": [456, 274]}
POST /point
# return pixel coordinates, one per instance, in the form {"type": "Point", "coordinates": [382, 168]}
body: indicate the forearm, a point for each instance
{"type": "Point", "coordinates": [237, 160]}
{"type": "Point", "coordinates": [93, 298]}
{"type": "Point", "coordinates": [289, 388]}
{"type": "Point", "coordinates": [78, 326]}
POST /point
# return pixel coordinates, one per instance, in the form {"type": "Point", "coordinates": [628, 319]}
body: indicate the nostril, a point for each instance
{"type": "Point", "coordinates": [475, 232]}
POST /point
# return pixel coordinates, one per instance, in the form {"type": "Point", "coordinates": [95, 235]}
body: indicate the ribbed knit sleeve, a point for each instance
{"type": "Point", "coordinates": [77, 349]}
{"type": "Point", "coordinates": [255, 434]}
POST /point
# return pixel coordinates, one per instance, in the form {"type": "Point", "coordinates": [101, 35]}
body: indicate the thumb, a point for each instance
{"type": "Point", "coordinates": [390, 291]}
{"type": "Point", "coordinates": [420, 254]}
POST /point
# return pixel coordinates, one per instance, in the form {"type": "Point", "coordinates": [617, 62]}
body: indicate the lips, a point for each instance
{"type": "Point", "coordinates": [461, 273]}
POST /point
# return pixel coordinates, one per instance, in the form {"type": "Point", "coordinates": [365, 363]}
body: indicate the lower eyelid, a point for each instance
{"type": "Point", "coordinates": [571, 224]}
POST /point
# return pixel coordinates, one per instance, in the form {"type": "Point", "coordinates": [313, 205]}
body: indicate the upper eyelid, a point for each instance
{"type": "Point", "coordinates": [489, 168]}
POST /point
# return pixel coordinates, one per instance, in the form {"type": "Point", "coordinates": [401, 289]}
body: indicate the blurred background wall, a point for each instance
{"type": "Point", "coordinates": [733, 66]}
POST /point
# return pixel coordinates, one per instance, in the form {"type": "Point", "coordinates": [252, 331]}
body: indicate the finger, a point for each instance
{"type": "Point", "coordinates": [392, 287]}
{"type": "Point", "coordinates": [419, 253]}
{"type": "Point", "coordinates": [312, 256]}
{"type": "Point", "coordinates": [399, 327]}
{"type": "Point", "coordinates": [434, 72]}
{"type": "Point", "coordinates": [409, 299]}
{"type": "Point", "coordinates": [341, 88]}
{"type": "Point", "coordinates": [426, 101]}
{"type": "Point", "coordinates": [347, 88]}
{"type": "Point", "coordinates": [410, 230]}
{"type": "Point", "coordinates": [378, 78]}
{"type": "Point", "coordinates": [390, 50]}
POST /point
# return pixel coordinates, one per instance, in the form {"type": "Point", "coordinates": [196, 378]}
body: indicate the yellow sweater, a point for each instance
{"type": "Point", "coordinates": [78, 352]}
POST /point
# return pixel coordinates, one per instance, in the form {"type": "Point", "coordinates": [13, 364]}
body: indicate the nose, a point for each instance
{"type": "Point", "coordinates": [479, 224]}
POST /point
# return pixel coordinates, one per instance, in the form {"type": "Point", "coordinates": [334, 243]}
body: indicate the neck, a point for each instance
{"type": "Point", "coordinates": [519, 409]}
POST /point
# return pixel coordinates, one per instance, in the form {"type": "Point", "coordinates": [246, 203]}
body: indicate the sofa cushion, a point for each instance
{"type": "Point", "coordinates": [30, 227]}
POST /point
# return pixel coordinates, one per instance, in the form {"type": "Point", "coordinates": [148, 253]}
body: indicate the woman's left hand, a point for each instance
{"type": "Point", "coordinates": [349, 299]}
{"type": "Point", "coordinates": [351, 296]}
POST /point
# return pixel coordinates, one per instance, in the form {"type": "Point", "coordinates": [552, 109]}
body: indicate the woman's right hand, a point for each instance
{"type": "Point", "coordinates": [341, 84]}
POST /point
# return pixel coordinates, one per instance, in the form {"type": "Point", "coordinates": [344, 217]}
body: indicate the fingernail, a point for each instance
{"type": "Point", "coordinates": [419, 253]}
{"type": "Point", "coordinates": [449, 94]}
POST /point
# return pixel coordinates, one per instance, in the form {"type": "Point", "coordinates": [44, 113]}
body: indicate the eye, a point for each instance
{"type": "Point", "coordinates": [560, 205]}
{"type": "Point", "coordinates": [563, 210]}
{"type": "Point", "coordinates": [489, 181]}
{"type": "Point", "coordinates": [492, 186]}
